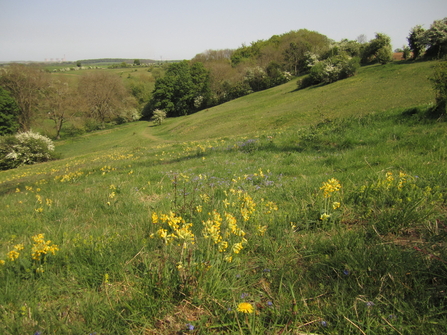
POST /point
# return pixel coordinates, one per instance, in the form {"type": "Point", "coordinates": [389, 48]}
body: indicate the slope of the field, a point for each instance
{"type": "Point", "coordinates": [375, 88]}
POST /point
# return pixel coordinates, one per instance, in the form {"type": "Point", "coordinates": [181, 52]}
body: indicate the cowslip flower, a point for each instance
{"type": "Point", "coordinates": [324, 217]}
{"type": "Point", "coordinates": [245, 307]}
{"type": "Point", "coordinates": [13, 255]}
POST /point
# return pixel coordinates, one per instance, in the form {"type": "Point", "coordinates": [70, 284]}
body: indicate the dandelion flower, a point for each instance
{"type": "Point", "coordinates": [245, 307]}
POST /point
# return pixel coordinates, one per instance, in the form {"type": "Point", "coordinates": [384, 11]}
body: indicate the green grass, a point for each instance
{"type": "Point", "coordinates": [368, 258]}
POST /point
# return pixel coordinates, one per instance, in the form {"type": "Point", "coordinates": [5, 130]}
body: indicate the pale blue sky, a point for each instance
{"type": "Point", "coordinates": [178, 29]}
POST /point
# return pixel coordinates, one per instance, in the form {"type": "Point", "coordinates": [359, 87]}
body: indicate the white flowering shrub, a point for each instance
{"type": "Point", "coordinates": [330, 70]}
{"type": "Point", "coordinates": [25, 148]}
{"type": "Point", "coordinates": [158, 117]}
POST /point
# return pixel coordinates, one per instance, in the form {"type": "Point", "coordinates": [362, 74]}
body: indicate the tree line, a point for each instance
{"type": "Point", "coordinates": [27, 92]}
{"type": "Point", "coordinates": [217, 76]}
{"type": "Point", "coordinates": [210, 78]}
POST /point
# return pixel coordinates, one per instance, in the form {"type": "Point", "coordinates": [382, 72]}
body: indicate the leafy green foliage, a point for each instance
{"type": "Point", "coordinates": [439, 81]}
{"type": "Point", "coordinates": [430, 43]}
{"type": "Point", "coordinates": [183, 90]}
{"type": "Point", "coordinates": [378, 49]}
{"type": "Point", "coordinates": [8, 113]}
{"type": "Point", "coordinates": [417, 41]}
{"type": "Point", "coordinates": [436, 38]}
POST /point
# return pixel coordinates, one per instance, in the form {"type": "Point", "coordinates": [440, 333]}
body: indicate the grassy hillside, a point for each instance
{"type": "Point", "coordinates": [376, 88]}
{"type": "Point", "coordinates": [317, 211]}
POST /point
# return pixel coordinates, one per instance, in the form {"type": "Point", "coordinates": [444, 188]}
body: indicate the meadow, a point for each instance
{"type": "Point", "coordinates": [319, 211]}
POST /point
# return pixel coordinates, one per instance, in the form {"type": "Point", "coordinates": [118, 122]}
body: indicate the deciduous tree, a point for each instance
{"type": "Point", "coordinates": [417, 41]}
{"type": "Point", "coordinates": [25, 83]}
{"type": "Point", "coordinates": [436, 38]}
{"type": "Point", "coordinates": [60, 103]}
{"type": "Point", "coordinates": [183, 90]}
{"type": "Point", "coordinates": [104, 95]}
{"type": "Point", "coordinates": [378, 49]}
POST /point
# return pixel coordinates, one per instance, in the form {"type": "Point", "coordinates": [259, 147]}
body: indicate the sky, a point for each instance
{"type": "Point", "coordinates": [36, 30]}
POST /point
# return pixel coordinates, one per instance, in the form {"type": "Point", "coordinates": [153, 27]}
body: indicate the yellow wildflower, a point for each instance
{"type": "Point", "coordinates": [13, 255]}
{"type": "Point", "coordinates": [2, 262]}
{"type": "Point", "coordinates": [228, 258]}
{"type": "Point", "coordinates": [335, 205]}
{"type": "Point", "coordinates": [245, 307]}
{"type": "Point", "coordinates": [19, 247]}
{"type": "Point", "coordinates": [237, 247]}
{"type": "Point", "coordinates": [332, 185]}
{"type": "Point", "coordinates": [324, 217]}
{"type": "Point", "coordinates": [223, 245]}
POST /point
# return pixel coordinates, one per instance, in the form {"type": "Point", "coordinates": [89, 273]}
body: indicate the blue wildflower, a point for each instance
{"type": "Point", "coordinates": [190, 326]}
{"type": "Point", "coordinates": [323, 323]}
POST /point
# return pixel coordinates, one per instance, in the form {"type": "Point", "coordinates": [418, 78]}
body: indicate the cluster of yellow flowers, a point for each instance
{"type": "Point", "coordinates": [329, 189]}
{"type": "Point", "coordinates": [179, 230]}
{"type": "Point", "coordinates": [390, 181]}
{"type": "Point", "coordinates": [42, 247]}
{"type": "Point", "coordinates": [330, 186]}
{"type": "Point", "coordinates": [38, 249]}
{"type": "Point", "coordinates": [106, 169]}
{"type": "Point", "coordinates": [220, 234]}
{"type": "Point", "coordinates": [223, 230]}
{"type": "Point", "coordinates": [69, 176]}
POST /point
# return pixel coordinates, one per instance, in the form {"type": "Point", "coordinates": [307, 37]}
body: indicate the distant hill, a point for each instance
{"type": "Point", "coordinates": [104, 61]}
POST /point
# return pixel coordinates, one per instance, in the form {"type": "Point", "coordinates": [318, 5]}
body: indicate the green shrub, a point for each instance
{"type": "Point", "coordinates": [384, 55]}
{"type": "Point", "coordinates": [439, 81]}
{"type": "Point", "coordinates": [23, 149]}
{"type": "Point", "coordinates": [8, 113]}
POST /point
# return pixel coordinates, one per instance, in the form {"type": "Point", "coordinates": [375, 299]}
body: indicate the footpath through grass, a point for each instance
{"type": "Point", "coordinates": [333, 228]}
